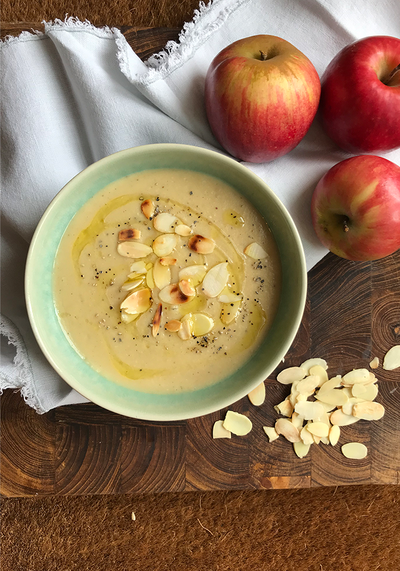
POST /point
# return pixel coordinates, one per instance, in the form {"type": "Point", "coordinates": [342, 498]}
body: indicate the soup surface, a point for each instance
{"type": "Point", "coordinates": [152, 284]}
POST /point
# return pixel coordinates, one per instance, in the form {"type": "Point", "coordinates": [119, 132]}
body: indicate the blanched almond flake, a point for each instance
{"type": "Point", "coordinates": [186, 288]}
{"type": "Point", "coordinates": [257, 395]}
{"type": "Point", "coordinates": [173, 295]}
{"type": "Point", "coordinates": [139, 267]}
{"type": "Point", "coordinates": [255, 251]}
{"type": "Point", "coordinates": [168, 261]}
{"type": "Point", "coordinates": [185, 332]}
{"type": "Point", "coordinates": [134, 249]}
{"type": "Point", "coordinates": [354, 450]}
{"type": "Point", "coordinates": [287, 429]}
{"type": "Point", "coordinates": [334, 434]}
{"type": "Point", "coordinates": [325, 440]}
{"type": "Point", "coordinates": [173, 325]}
{"type": "Point", "coordinates": [356, 376]}
{"type": "Point", "coordinates": [374, 364]}
{"type": "Point", "coordinates": [128, 317]}
{"type": "Point", "coordinates": [194, 274]}
{"type": "Point", "coordinates": [297, 420]}
{"type": "Point", "coordinates": [201, 245]}
{"type": "Point", "coordinates": [271, 433]}
{"type": "Point", "coordinates": [165, 222]}
{"type": "Point", "coordinates": [150, 279]}
{"type": "Point", "coordinates": [301, 450]}
{"type": "Point", "coordinates": [237, 423]}
{"type": "Point", "coordinates": [201, 324]}
{"type": "Point", "coordinates": [215, 280]}
{"type": "Point", "coordinates": [347, 408]}
{"type": "Point", "coordinates": [164, 244]}
{"type": "Point", "coordinates": [338, 418]}
{"type": "Point", "coordinates": [335, 396]}
{"type": "Point", "coordinates": [313, 363]}
{"type": "Point", "coordinates": [148, 208]}
{"type": "Point", "coordinates": [316, 439]}
{"type": "Point", "coordinates": [290, 375]}
{"type": "Point", "coordinates": [328, 407]}
{"type": "Point", "coordinates": [183, 230]}
{"type": "Point", "coordinates": [305, 436]}
{"type": "Point", "coordinates": [229, 312]}
{"type": "Point", "coordinates": [332, 383]}
{"type": "Point", "coordinates": [137, 302]}
{"type": "Point", "coordinates": [157, 320]}
{"type": "Point", "coordinates": [318, 429]}
{"type": "Point", "coordinates": [320, 372]}
{"type": "Point", "coordinates": [219, 431]}
{"type": "Point", "coordinates": [309, 410]}
{"type": "Point", "coordinates": [285, 408]}
{"type": "Point", "coordinates": [391, 360]}
{"type": "Point", "coordinates": [308, 385]}
{"type": "Point", "coordinates": [132, 284]}
{"type": "Point", "coordinates": [161, 275]}
{"type": "Point", "coordinates": [368, 410]}
{"type": "Point", "coordinates": [129, 234]}
{"type": "Point", "coordinates": [369, 392]}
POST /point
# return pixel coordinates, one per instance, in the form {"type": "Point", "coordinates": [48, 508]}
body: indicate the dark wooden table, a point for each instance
{"type": "Point", "coordinates": [352, 314]}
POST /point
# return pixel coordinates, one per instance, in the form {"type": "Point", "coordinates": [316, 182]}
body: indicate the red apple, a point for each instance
{"type": "Point", "coordinates": [360, 97]}
{"type": "Point", "coordinates": [356, 208]}
{"type": "Point", "coordinates": [261, 95]}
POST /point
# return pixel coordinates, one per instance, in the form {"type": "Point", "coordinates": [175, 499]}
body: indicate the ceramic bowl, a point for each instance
{"type": "Point", "coordinates": [76, 371]}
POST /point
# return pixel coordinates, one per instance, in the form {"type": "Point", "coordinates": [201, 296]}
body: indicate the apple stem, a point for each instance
{"type": "Point", "coordinates": [264, 56]}
{"type": "Point", "coordinates": [392, 76]}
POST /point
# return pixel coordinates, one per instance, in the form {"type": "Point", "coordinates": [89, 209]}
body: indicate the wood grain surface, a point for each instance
{"type": "Point", "coordinates": [352, 314]}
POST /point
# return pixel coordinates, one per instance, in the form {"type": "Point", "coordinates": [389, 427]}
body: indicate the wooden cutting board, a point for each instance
{"type": "Point", "coordinates": [352, 314]}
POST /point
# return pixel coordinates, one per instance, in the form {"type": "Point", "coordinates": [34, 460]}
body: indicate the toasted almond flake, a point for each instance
{"type": "Point", "coordinates": [255, 251]}
{"type": "Point", "coordinates": [186, 288]}
{"type": "Point", "coordinates": [287, 429]}
{"type": "Point", "coordinates": [309, 410]}
{"type": "Point", "coordinates": [356, 376]}
{"type": "Point", "coordinates": [285, 408]}
{"type": "Point", "coordinates": [227, 296]}
{"type": "Point", "coordinates": [237, 423]}
{"type": "Point", "coordinates": [391, 360]}
{"type": "Point", "coordinates": [308, 385]}
{"type": "Point", "coordinates": [157, 320]}
{"type": "Point", "coordinates": [132, 284]}
{"type": "Point", "coordinates": [368, 410]}
{"type": "Point", "coordinates": [215, 280]}
{"type": "Point", "coordinates": [320, 372]}
{"type": "Point", "coordinates": [201, 245]}
{"type": "Point", "coordinates": [318, 429]}
{"type": "Point", "coordinates": [161, 275]}
{"type": "Point", "coordinates": [313, 362]}
{"type": "Point", "coordinates": [334, 434]}
{"type": "Point", "coordinates": [137, 302]}
{"type": "Point", "coordinates": [129, 234]}
{"type": "Point", "coordinates": [134, 249]}
{"type": "Point", "coordinates": [202, 324]}
{"type": "Point", "coordinates": [290, 375]}
{"type": "Point", "coordinates": [301, 450]}
{"type": "Point", "coordinates": [168, 261]}
{"type": "Point", "coordinates": [185, 332]}
{"type": "Point", "coordinates": [297, 420]}
{"type": "Point", "coordinates": [354, 450]}
{"type": "Point", "coordinates": [229, 312]}
{"type": "Point", "coordinates": [174, 325]}
{"type": "Point", "coordinates": [148, 209]}
{"type": "Point", "coordinates": [335, 396]}
{"type": "Point", "coordinates": [150, 279]}
{"type": "Point", "coordinates": [139, 267]}
{"type": "Point", "coordinates": [338, 418]}
{"type": "Point", "coordinates": [173, 295]}
{"type": "Point", "coordinates": [164, 244]}
{"type": "Point", "coordinates": [257, 395]}
{"type": "Point", "coordinates": [370, 392]}
{"type": "Point", "coordinates": [195, 274]}
{"type": "Point", "coordinates": [128, 317]}
{"type": "Point", "coordinates": [271, 433]}
{"type": "Point", "coordinates": [165, 222]}
{"type": "Point", "coordinates": [306, 436]}
{"type": "Point", "coordinates": [219, 431]}
{"type": "Point", "coordinates": [183, 230]}
{"type": "Point", "coordinates": [332, 383]}
{"type": "Point", "coordinates": [347, 408]}
{"type": "Point", "coordinates": [374, 364]}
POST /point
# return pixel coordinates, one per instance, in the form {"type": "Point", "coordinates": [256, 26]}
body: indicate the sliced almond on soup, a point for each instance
{"type": "Point", "coordinates": [286, 428]}
{"type": "Point", "coordinates": [291, 375]}
{"type": "Point", "coordinates": [313, 362]}
{"type": "Point", "coordinates": [173, 295]}
{"type": "Point", "coordinates": [368, 410]}
{"type": "Point", "coordinates": [185, 332]}
{"type": "Point", "coordinates": [271, 433]}
{"type": "Point", "coordinates": [173, 326]}
{"type": "Point", "coordinates": [150, 278]}
{"type": "Point", "coordinates": [148, 208]}
{"type": "Point", "coordinates": [334, 434]}
{"type": "Point", "coordinates": [195, 274]}
{"type": "Point", "coordinates": [338, 418]}
{"type": "Point", "coordinates": [219, 431]}
{"type": "Point", "coordinates": [257, 395]}
{"type": "Point", "coordinates": [201, 324]}
{"type": "Point", "coordinates": [354, 450]}
{"type": "Point", "coordinates": [309, 410]}
{"type": "Point", "coordinates": [201, 245]}
{"type": "Point", "coordinates": [164, 244]}
{"type": "Point", "coordinates": [132, 284]}
{"type": "Point", "coordinates": [183, 230]}
{"type": "Point", "coordinates": [161, 275]}
{"type": "Point", "coordinates": [391, 360]}
{"type": "Point", "coordinates": [156, 320]}
{"type": "Point", "coordinates": [186, 288]}
{"type": "Point", "coordinates": [137, 302]}
{"type": "Point", "coordinates": [134, 249]}
{"type": "Point", "coordinates": [128, 317]}
{"type": "Point", "coordinates": [229, 312]}
{"type": "Point", "coordinates": [139, 267]}
{"type": "Point", "coordinates": [165, 222]}
{"type": "Point", "coordinates": [255, 251]}
{"type": "Point", "coordinates": [301, 450]}
{"type": "Point", "coordinates": [168, 261]}
{"type": "Point", "coordinates": [215, 280]}
{"type": "Point", "coordinates": [227, 296]}
{"type": "Point", "coordinates": [129, 234]}
{"type": "Point", "coordinates": [237, 423]}
{"type": "Point", "coordinates": [335, 396]}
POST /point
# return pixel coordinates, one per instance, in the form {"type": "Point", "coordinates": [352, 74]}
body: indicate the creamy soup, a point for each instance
{"type": "Point", "coordinates": [166, 281]}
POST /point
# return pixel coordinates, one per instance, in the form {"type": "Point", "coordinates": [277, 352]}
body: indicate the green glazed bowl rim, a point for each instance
{"type": "Point", "coordinates": [162, 407]}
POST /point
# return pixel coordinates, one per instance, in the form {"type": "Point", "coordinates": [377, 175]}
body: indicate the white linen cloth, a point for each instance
{"type": "Point", "coordinates": [75, 93]}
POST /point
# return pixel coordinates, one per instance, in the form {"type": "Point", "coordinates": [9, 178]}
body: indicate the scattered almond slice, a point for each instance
{"type": "Point", "coordinates": [185, 332]}
{"type": "Point", "coordinates": [165, 222]}
{"type": "Point", "coordinates": [237, 423]}
{"type": "Point", "coordinates": [255, 251]}
{"type": "Point", "coordinates": [369, 392]}
{"type": "Point", "coordinates": [374, 364]}
{"type": "Point", "coordinates": [215, 280]}
{"type": "Point", "coordinates": [356, 376]}
{"type": "Point", "coordinates": [132, 284]}
{"type": "Point", "coordinates": [168, 261]}
{"type": "Point", "coordinates": [290, 375]}
{"type": "Point", "coordinates": [174, 325]}
{"type": "Point", "coordinates": [129, 234]}
{"type": "Point", "coordinates": [335, 396]}
{"type": "Point", "coordinates": [183, 230]}
{"type": "Point", "coordinates": [219, 431]}
{"type": "Point", "coordinates": [334, 434]}
{"type": "Point", "coordinates": [195, 274]}
{"type": "Point", "coordinates": [329, 407]}
{"type": "Point", "coordinates": [354, 450]}
{"type": "Point", "coordinates": [318, 429]}
{"type": "Point", "coordinates": [173, 295]}
{"type": "Point", "coordinates": [316, 439]}
{"type": "Point", "coordinates": [201, 245]}
{"type": "Point", "coordinates": [271, 433]}
{"type": "Point", "coordinates": [332, 383]}
{"type": "Point", "coordinates": [287, 429]}
{"type": "Point", "coordinates": [391, 360]}
{"type": "Point", "coordinates": [309, 410]}
{"type": "Point", "coordinates": [338, 418]}
{"type": "Point", "coordinates": [229, 312]}
{"type": "Point", "coordinates": [347, 408]}
{"type": "Point", "coordinates": [297, 420]}
{"type": "Point", "coordinates": [186, 288]}
{"type": "Point", "coordinates": [313, 362]}
{"type": "Point", "coordinates": [301, 450]}
{"type": "Point", "coordinates": [306, 436]}
{"type": "Point", "coordinates": [320, 372]}
{"type": "Point", "coordinates": [137, 302]}
{"type": "Point", "coordinates": [368, 410]}
{"type": "Point", "coordinates": [157, 320]}
{"type": "Point", "coordinates": [150, 278]}
{"type": "Point", "coordinates": [308, 385]}
{"type": "Point", "coordinates": [161, 275]}
{"type": "Point", "coordinates": [285, 408]}
{"type": "Point", "coordinates": [201, 324]}
{"type": "Point", "coordinates": [257, 395]}
{"type": "Point", "coordinates": [139, 267]}
{"type": "Point", "coordinates": [148, 208]}
{"type": "Point", "coordinates": [164, 244]}
{"type": "Point", "coordinates": [134, 249]}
